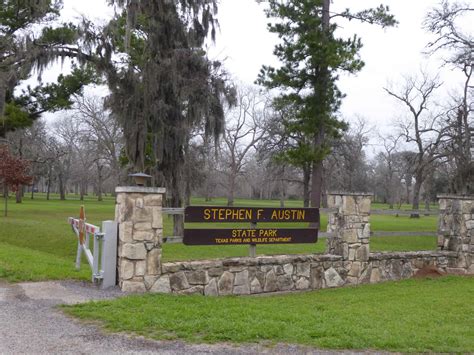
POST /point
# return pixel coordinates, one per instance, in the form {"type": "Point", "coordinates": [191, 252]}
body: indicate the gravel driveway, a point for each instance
{"type": "Point", "coordinates": [30, 323]}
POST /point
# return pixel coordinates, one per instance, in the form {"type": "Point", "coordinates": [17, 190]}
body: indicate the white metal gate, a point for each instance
{"type": "Point", "coordinates": [103, 257]}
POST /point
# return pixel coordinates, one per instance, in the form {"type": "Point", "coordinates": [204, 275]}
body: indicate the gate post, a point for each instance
{"type": "Point", "coordinates": [456, 231]}
{"type": "Point", "coordinates": [138, 212]}
{"type": "Point", "coordinates": [109, 254]}
{"type": "Point", "coordinates": [348, 221]}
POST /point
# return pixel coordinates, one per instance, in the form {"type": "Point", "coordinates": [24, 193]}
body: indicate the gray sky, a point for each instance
{"type": "Point", "coordinates": [245, 44]}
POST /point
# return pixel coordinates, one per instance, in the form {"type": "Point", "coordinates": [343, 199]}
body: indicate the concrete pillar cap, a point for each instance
{"type": "Point", "coordinates": [342, 193]}
{"type": "Point", "coordinates": [455, 197]}
{"type": "Point", "coordinates": [140, 189]}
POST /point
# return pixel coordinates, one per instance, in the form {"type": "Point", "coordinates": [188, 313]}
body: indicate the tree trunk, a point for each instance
{"type": "Point", "coordinates": [408, 187]}
{"type": "Point", "coordinates": [19, 194]}
{"type": "Point", "coordinates": [306, 181]}
{"type": "Point", "coordinates": [5, 197]}
{"type": "Point", "coordinates": [416, 195]}
{"type": "Point", "coordinates": [208, 193]}
{"type": "Point", "coordinates": [324, 195]}
{"type": "Point", "coordinates": [427, 204]}
{"type": "Point", "coordinates": [178, 219]}
{"type": "Point", "coordinates": [427, 188]}
{"type": "Point", "coordinates": [390, 191]}
{"type": "Point", "coordinates": [81, 191]}
{"type": "Point", "coordinates": [62, 192]}
{"type": "Point", "coordinates": [316, 182]}
{"type": "Point", "coordinates": [231, 192]}
{"type": "Point", "coordinates": [3, 94]}
{"type": "Point", "coordinates": [100, 182]}
{"type": "Point", "coordinates": [48, 186]}
{"type": "Point", "coordinates": [33, 189]}
{"type": "Point", "coordinates": [317, 173]}
{"type": "Point", "coordinates": [19, 191]}
{"type": "Point", "coordinates": [282, 193]}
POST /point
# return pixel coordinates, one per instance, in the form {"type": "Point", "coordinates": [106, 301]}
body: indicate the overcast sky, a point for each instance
{"type": "Point", "coordinates": [245, 44]}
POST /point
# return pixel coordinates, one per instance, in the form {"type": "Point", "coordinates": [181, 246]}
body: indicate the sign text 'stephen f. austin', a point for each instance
{"type": "Point", "coordinates": [250, 214]}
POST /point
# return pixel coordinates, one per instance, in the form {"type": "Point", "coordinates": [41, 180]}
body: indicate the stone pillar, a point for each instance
{"type": "Point", "coordinates": [456, 231]}
{"type": "Point", "coordinates": [139, 215]}
{"type": "Point", "coordinates": [349, 223]}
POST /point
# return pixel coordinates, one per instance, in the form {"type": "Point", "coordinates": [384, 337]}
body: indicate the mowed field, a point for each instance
{"type": "Point", "coordinates": [418, 315]}
{"type": "Point", "coordinates": [36, 243]}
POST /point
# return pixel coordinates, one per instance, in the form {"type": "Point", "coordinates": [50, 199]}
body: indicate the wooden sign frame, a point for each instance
{"type": "Point", "coordinates": [253, 235]}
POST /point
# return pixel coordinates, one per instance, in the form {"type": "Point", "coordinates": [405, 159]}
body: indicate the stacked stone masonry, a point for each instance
{"type": "Point", "coordinates": [348, 260]}
{"type": "Point", "coordinates": [138, 212]}
{"type": "Point", "coordinates": [244, 276]}
{"type": "Point", "coordinates": [456, 231]}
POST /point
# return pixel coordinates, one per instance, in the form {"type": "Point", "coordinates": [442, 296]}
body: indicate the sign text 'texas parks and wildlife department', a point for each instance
{"type": "Point", "coordinates": [249, 235]}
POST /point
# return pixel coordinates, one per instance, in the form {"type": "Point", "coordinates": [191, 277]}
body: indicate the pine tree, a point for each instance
{"type": "Point", "coordinates": [312, 58]}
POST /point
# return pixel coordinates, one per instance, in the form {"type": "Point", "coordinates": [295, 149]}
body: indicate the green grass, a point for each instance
{"type": "Point", "coordinates": [23, 264]}
{"type": "Point", "coordinates": [178, 252]}
{"type": "Point", "coordinates": [36, 243]}
{"type": "Point", "coordinates": [37, 230]}
{"type": "Point", "coordinates": [403, 243]}
{"type": "Point", "coordinates": [430, 315]}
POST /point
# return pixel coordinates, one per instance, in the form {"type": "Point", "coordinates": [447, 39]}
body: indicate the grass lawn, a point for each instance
{"type": "Point", "coordinates": [429, 315]}
{"type": "Point", "coordinates": [24, 264]}
{"type": "Point", "coordinates": [36, 243]}
{"type": "Point", "coordinates": [176, 252]}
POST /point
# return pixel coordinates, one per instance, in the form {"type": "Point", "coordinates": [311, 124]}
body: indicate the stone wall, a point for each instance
{"type": "Point", "coordinates": [244, 276]}
{"type": "Point", "coordinates": [348, 260]}
{"type": "Point", "coordinates": [397, 266]}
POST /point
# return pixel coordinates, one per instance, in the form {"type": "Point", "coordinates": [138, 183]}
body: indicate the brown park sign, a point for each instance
{"type": "Point", "coordinates": [249, 236]}
{"type": "Point", "coordinates": [250, 214]}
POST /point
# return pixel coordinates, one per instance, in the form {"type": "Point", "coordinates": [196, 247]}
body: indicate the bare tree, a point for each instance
{"type": "Point", "coordinates": [389, 169]}
{"type": "Point", "coordinates": [103, 135]}
{"type": "Point", "coordinates": [71, 164]}
{"type": "Point", "coordinates": [444, 21]}
{"type": "Point", "coordinates": [421, 126]}
{"type": "Point", "coordinates": [44, 152]}
{"type": "Point", "coordinates": [244, 129]}
{"type": "Point", "coordinates": [278, 142]}
{"type": "Point", "coordinates": [346, 166]}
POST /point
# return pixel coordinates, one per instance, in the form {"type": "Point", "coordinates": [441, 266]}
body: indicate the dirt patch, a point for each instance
{"type": "Point", "coordinates": [429, 271]}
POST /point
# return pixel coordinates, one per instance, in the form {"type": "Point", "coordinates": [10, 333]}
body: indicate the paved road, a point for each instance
{"type": "Point", "coordinates": [30, 323]}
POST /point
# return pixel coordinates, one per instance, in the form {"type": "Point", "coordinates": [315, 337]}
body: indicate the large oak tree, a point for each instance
{"type": "Point", "coordinates": [162, 84]}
